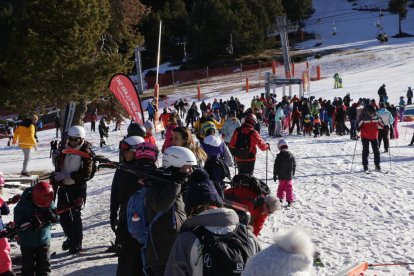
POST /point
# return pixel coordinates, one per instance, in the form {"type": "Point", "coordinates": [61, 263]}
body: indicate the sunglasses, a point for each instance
{"type": "Point", "coordinates": [74, 139]}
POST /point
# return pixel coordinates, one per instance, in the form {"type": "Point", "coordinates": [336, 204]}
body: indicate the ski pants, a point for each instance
{"type": "Point", "coordinates": [396, 133]}
{"type": "Point", "coordinates": [383, 136]}
{"type": "Point", "coordinates": [71, 221]}
{"type": "Point", "coordinates": [271, 128]}
{"type": "Point", "coordinates": [295, 122]}
{"type": "Point", "coordinates": [35, 260]}
{"type": "Point", "coordinates": [409, 100]}
{"type": "Point", "coordinates": [129, 259]}
{"type": "Point", "coordinates": [6, 263]}
{"type": "Point", "coordinates": [93, 126]}
{"type": "Point", "coordinates": [285, 188]}
{"type": "Point", "coordinates": [26, 153]}
{"type": "Point", "coordinates": [353, 128]}
{"type": "Point", "coordinates": [365, 152]}
{"type": "Point", "coordinates": [278, 132]}
{"type": "Point", "coordinates": [246, 167]}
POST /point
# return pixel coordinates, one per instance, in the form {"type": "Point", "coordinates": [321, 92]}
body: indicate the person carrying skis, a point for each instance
{"type": "Point", "coordinates": [74, 173]}
{"type": "Point", "coordinates": [6, 263]}
{"type": "Point", "coordinates": [25, 137]}
{"type": "Point", "coordinates": [37, 207]}
{"type": "Point", "coordinates": [208, 218]}
{"type": "Point", "coordinates": [142, 156]}
{"type": "Point", "coordinates": [284, 170]}
{"type": "Point", "coordinates": [368, 124]}
{"type": "Point", "coordinates": [245, 154]}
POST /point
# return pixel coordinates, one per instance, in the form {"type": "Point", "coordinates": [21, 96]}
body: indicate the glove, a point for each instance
{"type": "Point", "coordinates": [14, 199]}
{"type": "Point", "coordinates": [36, 222]}
{"type": "Point", "coordinates": [114, 225]}
{"type": "Point", "coordinates": [268, 146]}
{"type": "Point", "coordinates": [59, 176]}
{"type": "Point", "coordinates": [275, 178]}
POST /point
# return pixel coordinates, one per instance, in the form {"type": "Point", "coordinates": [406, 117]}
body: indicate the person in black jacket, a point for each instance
{"type": "Point", "coordinates": [141, 156]}
{"type": "Point", "coordinates": [284, 170]}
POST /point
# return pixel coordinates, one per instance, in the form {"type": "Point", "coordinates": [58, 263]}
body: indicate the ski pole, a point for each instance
{"type": "Point", "coordinates": [266, 160]}
{"type": "Point", "coordinates": [391, 264]}
{"type": "Point", "coordinates": [353, 156]}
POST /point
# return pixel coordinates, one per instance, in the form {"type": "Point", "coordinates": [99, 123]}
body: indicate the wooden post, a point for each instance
{"type": "Point", "coordinates": [274, 67]}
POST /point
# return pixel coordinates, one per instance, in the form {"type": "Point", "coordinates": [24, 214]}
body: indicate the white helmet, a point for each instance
{"type": "Point", "coordinates": [134, 140]}
{"type": "Point", "coordinates": [281, 143]}
{"type": "Point", "coordinates": [148, 125]}
{"type": "Point", "coordinates": [177, 157]}
{"type": "Point", "coordinates": [76, 131]}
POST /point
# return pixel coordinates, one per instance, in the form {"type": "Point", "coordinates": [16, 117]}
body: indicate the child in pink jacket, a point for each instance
{"type": "Point", "coordinates": [5, 261]}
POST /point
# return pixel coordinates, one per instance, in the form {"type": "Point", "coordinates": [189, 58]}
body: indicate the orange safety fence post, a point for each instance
{"type": "Point", "coordinates": [293, 70]}
{"type": "Point", "coordinates": [156, 115]}
{"type": "Point", "coordinates": [318, 72]}
{"type": "Point", "coordinates": [247, 85]}
{"type": "Point", "coordinates": [198, 91]}
{"type": "Point", "coordinates": [274, 67]}
{"type": "Point", "coordinates": [287, 73]}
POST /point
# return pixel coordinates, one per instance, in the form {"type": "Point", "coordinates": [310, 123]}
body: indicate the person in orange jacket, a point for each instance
{"type": "Point", "coordinates": [164, 119]}
{"type": "Point", "coordinates": [25, 137]}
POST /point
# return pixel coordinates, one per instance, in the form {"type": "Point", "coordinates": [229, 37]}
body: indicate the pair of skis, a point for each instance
{"type": "Point", "coordinates": [13, 230]}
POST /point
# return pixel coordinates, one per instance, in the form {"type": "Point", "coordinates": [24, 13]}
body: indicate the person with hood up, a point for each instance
{"type": "Point", "coordinates": [204, 207]}
{"type": "Point", "coordinates": [291, 254]}
{"type": "Point", "coordinates": [24, 135]}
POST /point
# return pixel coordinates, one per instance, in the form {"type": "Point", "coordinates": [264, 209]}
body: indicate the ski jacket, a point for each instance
{"type": "Point", "coordinates": [229, 127]}
{"type": "Point", "coordinates": [168, 137]}
{"type": "Point", "coordinates": [381, 91]}
{"type": "Point", "coordinates": [409, 93]}
{"type": "Point", "coordinates": [255, 140]}
{"type": "Point", "coordinates": [164, 119]}
{"type": "Point", "coordinates": [185, 256]}
{"type": "Point", "coordinates": [79, 168]}
{"type": "Point", "coordinates": [253, 201]}
{"type": "Point", "coordinates": [23, 212]}
{"type": "Point", "coordinates": [385, 117]}
{"type": "Point", "coordinates": [279, 114]}
{"type": "Point", "coordinates": [369, 126]}
{"type": "Point", "coordinates": [160, 197]}
{"type": "Point", "coordinates": [296, 114]}
{"type": "Point", "coordinates": [4, 210]}
{"type": "Point", "coordinates": [216, 105]}
{"type": "Point", "coordinates": [25, 135]}
{"type": "Point", "coordinates": [285, 165]}
{"type": "Point", "coordinates": [214, 147]}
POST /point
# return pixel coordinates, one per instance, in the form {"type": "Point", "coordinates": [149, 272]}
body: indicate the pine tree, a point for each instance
{"type": "Point", "coordinates": [297, 10]}
{"type": "Point", "coordinates": [399, 7]}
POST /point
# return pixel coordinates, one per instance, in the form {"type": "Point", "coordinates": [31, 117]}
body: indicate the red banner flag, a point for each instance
{"type": "Point", "coordinates": [124, 90]}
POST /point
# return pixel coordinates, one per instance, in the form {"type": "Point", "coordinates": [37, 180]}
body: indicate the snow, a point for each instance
{"type": "Point", "coordinates": [352, 217]}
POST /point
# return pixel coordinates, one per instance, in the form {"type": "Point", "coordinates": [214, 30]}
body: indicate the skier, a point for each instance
{"type": "Point", "coordinates": [6, 263]}
{"type": "Point", "coordinates": [382, 93]}
{"type": "Point", "coordinates": [93, 121]}
{"type": "Point", "coordinates": [192, 115]}
{"type": "Point", "coordinates": [103, 131]}
{"type": "Point", "coordinates": [73, 176]}
{"type": "Point", "coordinates": [25, 135]}
{"type": "Point", "coordinates": [57, 125]}
{"type": "Point", "coordinates": [284, 171]}
{"type": "Point", "coordinates": [142, 156]}
{"type": "Point", "coordinates": [369, 124]}
{"type": "Point", "coordinates": [409, 96]}
{"type": "Point", "coordinates": [36, 206]}
{"type": "Point", "coordinates": [164, 119]}
{"type": "Point", "coordinates": [246, 161]}
{"type": "Point", "coordinates": [401, 110]}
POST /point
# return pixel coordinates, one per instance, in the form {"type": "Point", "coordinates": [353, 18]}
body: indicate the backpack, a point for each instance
{"type": "Point", "coordinates": [246, 180]}
{"type": "Point", "coordinates": [242, 147]}
{"type": "Point", "coordinates": [225, 254]}
{"type": "Point", "coordinates": [216, 168]}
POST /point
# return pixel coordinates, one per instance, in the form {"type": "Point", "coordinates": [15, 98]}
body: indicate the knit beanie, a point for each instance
{"type": "Point", "coordinates": [201, 191]}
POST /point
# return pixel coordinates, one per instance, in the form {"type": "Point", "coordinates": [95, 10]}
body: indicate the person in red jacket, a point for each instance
{"type": "Point", "coordinates": [260, 206]}
{"type": "Point", "coordinates": [246, 163]}
{"type": "Point", "coordinates": [368, 125]}
{"type": "Point", "coordinates": [149, 137]}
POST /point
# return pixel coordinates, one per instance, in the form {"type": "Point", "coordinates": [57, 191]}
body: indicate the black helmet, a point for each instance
{"type": "Point", "coordinates": [135, 129]}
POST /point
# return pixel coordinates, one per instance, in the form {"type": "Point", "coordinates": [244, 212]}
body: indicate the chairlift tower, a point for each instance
{"type": "Point", "coordinates": [283, 27]}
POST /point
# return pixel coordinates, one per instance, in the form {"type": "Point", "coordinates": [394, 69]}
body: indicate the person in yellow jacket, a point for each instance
{"type": "Point", "coordinates": [205, 117]}
{"type": "Point", "coordinates": [24, 135]}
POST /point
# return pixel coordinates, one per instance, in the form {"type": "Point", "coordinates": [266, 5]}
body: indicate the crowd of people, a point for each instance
{"type": "Point", "coordinates": [169, 219]}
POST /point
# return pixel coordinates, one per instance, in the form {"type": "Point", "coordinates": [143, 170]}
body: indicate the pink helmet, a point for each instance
{"type": "Point", "coordinates": [146, 151]}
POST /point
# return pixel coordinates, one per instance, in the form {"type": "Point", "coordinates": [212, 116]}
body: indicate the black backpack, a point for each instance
{"type": "Point", "coordinates": [242, 147]}
{"type": "Point", "coordinates": [246, 180]}
{"type": "Point", "coordinates": [217, 168]}
{"type": "Point", "coordinates": [225, 254]}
